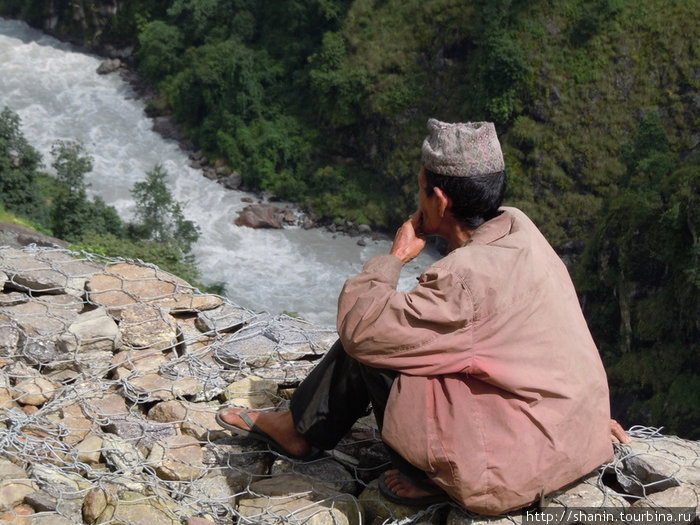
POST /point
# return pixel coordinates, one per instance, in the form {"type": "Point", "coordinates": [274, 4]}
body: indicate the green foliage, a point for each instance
{"type": "Point", "coordinates": [591, 17]}
{"type": "Point", "coordinates": [338, 87]}
{"type": "Point", "coordinates": [222, 87]}
{"type": "Point", "coordinates": [272, 154]}
{"type": "Point", "coordinates": [19, 171]}
{"type": "Point", "coordinates": [158, 216]}
{"type": "Point", "coordinates": [201, 20]}
{"type": "Point", "coordinates": [645, 257]}
{"type": "Point", "coordinates": [160, 50]}
{"type": "Point", "coordinates": [167, 256]}
{"type": "Point", "coordinates": [73, 214]}
{"type": "Point", "coordinates": [90, 223]}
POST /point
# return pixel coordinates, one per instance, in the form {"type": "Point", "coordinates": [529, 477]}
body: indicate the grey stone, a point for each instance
{"type": "Point", "coordinates": [649, 465]}
{"type": "Point", "coordinates": [17, 236]}
{"type": "Point", "coordinates": [285, 372]}
{"type": "Point", "coordinates": [139, 431]}
{"type": "Point", "coordinates": [218, 487]}
{"type": "Point", "coordinates": [40, 351]}
{"type": "Point", "coordinates": [9, 337]}
{"type": "Point", "coordinates": [51, 518]}
{"type": "Point", "coordinates": [241, 462]}
{"type": "Point", "coordinates": [41, 501]}
{"type": "Point", "coordinates": [232, 181]}
{"type": "Point", "coordinates": [684, 496]}
{"type": "Point", "coordinates": [225, 318]}
{"type": "Point", "coordinates": [251, 392]}
{"type": "Point", "coordinates": [135, 509]}
{"type": "Point", "coordinates": [177, 458]}
{"type": "Point", "coordinates": [103, 407]}
{"type": "Point", "coordinates": [128, 283]}
{"type": "Point", "coordinates": [193, 419]}
{"type": "Point", "coordinates": [13, 492]}
{"type": "Point", "coordinates": [296, 498]}
{"type": "Point", "coordinates": [109, 65]}
{"type": "Point", "coordinates": [587, 493]}
{"type": "Point", "coordinates": [10, 471]}
{"type": "Point", "coordinates": [297, 339]}
{"type": "Point", "coordinates": [144, 326]}
{"type": "Point", "coordinates": [248, 347]}
{"type": "Point", "coordinates": [122, 456]}
{"type": "Point", "coordinates": [56, 482]}
{"type": "Point", "coordinates": [155, 387]}
{"type": "Point", "coordinates": [95, 330]}
{"type": "Point", "coordinates": [45, 316]}
{"type": "Point", "coordinates": [35, 391]}
{"type": "Point", "coordinates": [46, 271]}
{"type": "Point", "coordinates": [457, 516]}
{"type": "Point", "coordinates": [12, 298]}
{"type": "Point", "coordinates": [323, 471]}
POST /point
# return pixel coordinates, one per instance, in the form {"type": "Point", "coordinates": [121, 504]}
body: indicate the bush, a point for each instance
{"type": "Point", "coordinates": [158, 217]}
{"type": "Point", "coordinates": [19, 171]}
{"type": "Point", "coordinates": [160, 50]}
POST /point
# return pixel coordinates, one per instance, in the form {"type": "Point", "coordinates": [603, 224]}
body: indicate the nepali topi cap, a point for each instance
{"type": "Point", "coordinates": [463, 149]}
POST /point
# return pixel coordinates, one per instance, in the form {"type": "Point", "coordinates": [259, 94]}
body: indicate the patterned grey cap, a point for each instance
{"type": "Point", "coordinates": [463, 149]}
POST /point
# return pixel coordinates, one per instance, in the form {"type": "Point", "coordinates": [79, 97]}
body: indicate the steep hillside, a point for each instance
{"type": "Point", "coordinates": [596, 101]}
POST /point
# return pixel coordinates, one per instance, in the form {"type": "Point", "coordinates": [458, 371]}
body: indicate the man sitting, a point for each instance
{"type": "Point", "coordinates": [484, 379]}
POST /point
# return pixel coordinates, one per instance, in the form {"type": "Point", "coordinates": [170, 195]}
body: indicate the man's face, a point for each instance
{"type": "Point", "coordinates": [428, 206]}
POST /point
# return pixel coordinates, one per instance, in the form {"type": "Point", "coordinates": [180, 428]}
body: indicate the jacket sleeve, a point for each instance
{"type": "Point", "coordinates": [427, 331]}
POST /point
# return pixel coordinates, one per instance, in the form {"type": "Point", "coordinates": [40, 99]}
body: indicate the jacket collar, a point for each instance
{"type": "Point", "coordinates": [492, 230]}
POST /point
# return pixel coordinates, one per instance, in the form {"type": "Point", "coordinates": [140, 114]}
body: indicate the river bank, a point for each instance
{"type": "Point", "coordinates": [58, 95]}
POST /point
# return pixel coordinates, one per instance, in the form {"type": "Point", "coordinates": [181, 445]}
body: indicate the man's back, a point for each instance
{"type": "Point", "coordinates": [506, 402]}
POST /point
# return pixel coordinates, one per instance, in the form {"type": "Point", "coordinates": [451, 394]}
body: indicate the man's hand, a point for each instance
{"type": "Point", "coordinates": [409, 242]}
{"type": "Point", "coordinates": [618, 434]}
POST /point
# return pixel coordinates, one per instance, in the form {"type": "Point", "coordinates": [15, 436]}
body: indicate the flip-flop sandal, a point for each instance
{"type": "Point", "coordinates": [423, 501]}
{"type": "Point", "coordinates": [255, 433]}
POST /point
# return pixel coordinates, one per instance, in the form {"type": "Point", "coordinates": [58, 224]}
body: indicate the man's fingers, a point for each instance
{"type": "Point", "coordinates": [618, 434]}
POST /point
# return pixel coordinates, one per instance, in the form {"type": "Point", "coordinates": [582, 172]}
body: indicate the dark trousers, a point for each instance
{"type": "Point", "coordinates": [337, 392]}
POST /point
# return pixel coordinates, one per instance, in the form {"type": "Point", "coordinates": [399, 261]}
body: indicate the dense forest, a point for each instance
{"type": "Point", "coordinates": [324, 102]}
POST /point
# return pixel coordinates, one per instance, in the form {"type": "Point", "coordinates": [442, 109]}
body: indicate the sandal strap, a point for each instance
{"type": "Point", "coordinates": [246, 419]}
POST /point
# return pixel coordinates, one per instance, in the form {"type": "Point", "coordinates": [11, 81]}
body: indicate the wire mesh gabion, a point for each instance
{"type": "Point", "coordinates": [112, 371]}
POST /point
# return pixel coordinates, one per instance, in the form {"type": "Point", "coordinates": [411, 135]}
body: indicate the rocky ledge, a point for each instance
{"type": "Point", "coordinates": [112, 371]}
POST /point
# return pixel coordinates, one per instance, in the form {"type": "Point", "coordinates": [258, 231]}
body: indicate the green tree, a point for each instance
{"type": "Point", "coordinates": [644, 306]}
{"type": "Point", "coordinates": [160, 50]}
{"type": "Point", "coordinates": [159, 217]}
{"type": "Point", "coordinates": [73, 214]}
{"type": "Point", "coordinates": [20, 167]}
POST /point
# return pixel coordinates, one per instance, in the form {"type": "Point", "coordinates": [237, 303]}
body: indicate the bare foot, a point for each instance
{"type": "Point", "coordinates": [404, 487]}
{"type": "Point", "coordinates": [277, 425]}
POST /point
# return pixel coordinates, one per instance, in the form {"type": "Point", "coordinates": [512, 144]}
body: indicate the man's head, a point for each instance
{"type": "Point", "coordinates": [465, 162]}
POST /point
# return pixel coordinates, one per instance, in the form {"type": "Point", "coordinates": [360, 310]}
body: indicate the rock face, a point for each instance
{"type": "Point", "coordinates": [111, 374]}
{"type": "Point", "coordinates": [264, 216]}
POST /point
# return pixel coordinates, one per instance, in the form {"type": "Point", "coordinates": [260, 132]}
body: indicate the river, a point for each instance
{"type": "Point", "coordinates": [55, 90]}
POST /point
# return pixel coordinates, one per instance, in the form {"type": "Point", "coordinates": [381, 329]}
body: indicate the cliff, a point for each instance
{"type": "Point", "coordinates": [112, 371]}
{"type": "Point", "coordinates": [106, 26]}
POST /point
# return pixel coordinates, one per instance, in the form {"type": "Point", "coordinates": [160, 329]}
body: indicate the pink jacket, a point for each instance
{"type": "Point", "coordinates": [501, 396]}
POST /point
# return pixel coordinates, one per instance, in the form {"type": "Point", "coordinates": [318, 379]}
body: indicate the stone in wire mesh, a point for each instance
{"type": "Point", "coordinates": [112, 371]}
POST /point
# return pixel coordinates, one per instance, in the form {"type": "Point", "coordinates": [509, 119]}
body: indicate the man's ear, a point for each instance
{"type": "Point", "coordinates": [444, 202]}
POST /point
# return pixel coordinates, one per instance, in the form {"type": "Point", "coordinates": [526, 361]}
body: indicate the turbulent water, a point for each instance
{"type": "Point", "coordinates": [56, 92]}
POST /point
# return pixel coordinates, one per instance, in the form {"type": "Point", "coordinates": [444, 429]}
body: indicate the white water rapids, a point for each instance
{"type": "Point", "coordinates": [58, 95]}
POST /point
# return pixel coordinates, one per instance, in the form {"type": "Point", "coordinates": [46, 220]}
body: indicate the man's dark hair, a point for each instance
{"type": "Point", "coordinates": [475, 199]}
